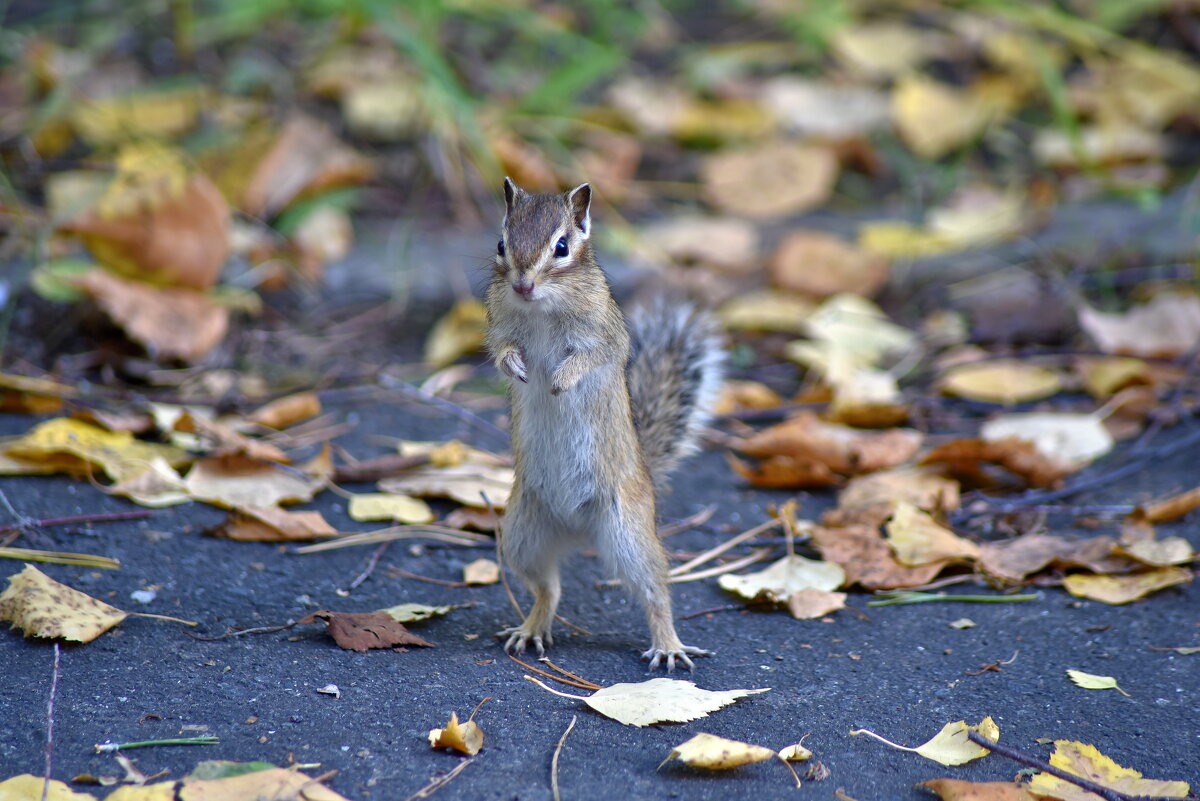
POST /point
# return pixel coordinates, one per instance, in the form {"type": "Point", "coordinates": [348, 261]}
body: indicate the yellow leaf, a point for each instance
{"type": "Point", "coordinates": [235, 481]}
{"type": "Point", "coordinates": [1122, 589]}
{"type": "Point", "coordinates": [287, 411]}
{"type": "Point", "coordinates": [459, 332]}
{"type": "Point", "coordinates": [711, 752]}
{"type": "Point", "coordinates": [881, 50]}
{"type": "Point", "coordinates": [411, 613]}
{"type": "Point", "coordinates": [1001, 381]}
{"type": "Point", "coordinates": [1103, 376]}
{"type": "Point", "coordinates": [156, 486]}
{"type": "Point", "coordinates": [899, 240]}
{"type": "Point", "coordinates": [656, 701]}
{"type": "Point", "coordinates": [117, 453]}
{"type": "Point", "coordinates": [933, 118]}
{"type": "Point", "coordinates": [950, 746]}
{"type": "Point", "coordinates": [389, 506]}
{"type": "Point", "coordinates": [1090, 681]}
{"type": "Point", "coordinates": [918, 539]}
{"type": "Point", "coordinates": [464, 737]}
{"type": "Point", "coordinates": [42, 607]}
{"type": "Point", "coordinates": [796, 752]}
{"type": "Point", "coordinates": [481, 571]}
{"type": "Point", "coordinates": [258, 784]}
{"type": "Point", "coordinates": [789, 575]}
{"type": "Point", "coordinates": [920, 486]}
{"type": "Point", "coordinates": [766, 310]}
{"type": "Point", "coordinates": [1085, 760]}
{"type": "Point", "coordinates": [960, 790]}
{"type": "Point", "coordinates": [162, 114]}
{"type": "Point", "coordinates": [464, 483]}
{"type": "Point", "coordinates": [26, 787]}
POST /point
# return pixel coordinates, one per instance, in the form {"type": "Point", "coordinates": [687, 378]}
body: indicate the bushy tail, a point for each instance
{"type": "Point", "coordinates": [674, 374]}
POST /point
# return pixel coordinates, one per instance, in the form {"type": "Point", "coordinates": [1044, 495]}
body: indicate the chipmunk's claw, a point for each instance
{"type": "Point", "coordinates": [519, 639]}
{"type": "Point", "coordinates": [681, 654]}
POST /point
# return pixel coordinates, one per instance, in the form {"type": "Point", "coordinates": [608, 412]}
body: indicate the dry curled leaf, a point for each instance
{"type": "Point", "coordinates": [711, 752]}
{"type": "Point", "coordinates": [42, 607]}
{"type": "Point", "coordinates": [1170, 508]}
{"type": "Point", "coordinates": [950, 746]}
{"type": "Point", "coordinates": [842, 449]}
{"type": "Point", "coordinates": [272, 524]}
{"type": "Point", "coordinates": [360, 631]}
{"type": "Point", "coordinates": [466, 737]}
{"type": "Point", "coordinates": [968, 457]}
{"type": "Point", "coordinates": [1013, 560]}
{"type": "Point", "coordinates": [239, 482]}
{"type": "Point", "coordinates": [656, 701]}
{"type": "Point", "coordinates": [411, 613]}
{"type": "Point", "coordinates": [1086, 761]}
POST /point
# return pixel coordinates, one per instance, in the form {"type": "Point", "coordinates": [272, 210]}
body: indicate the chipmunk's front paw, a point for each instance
{"type": "Point", "coordinates": [512, 364]}
{"type": "Point", "coordinates": [519, 638]}
{"type": "Point", "coordinates": [680, 652]}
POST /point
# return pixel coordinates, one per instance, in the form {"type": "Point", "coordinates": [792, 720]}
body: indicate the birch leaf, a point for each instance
{"type": "Point", "coordinates": [711, 752]}
{"type": "Point", "coordinates": [656, 701]}
{"type": "Point", "coordinates": [27, 787]}
{"type": "Point", "coordinates": [950, 746]}
{"type": "Point", "coordinates": [1124, 588]}
{"type": "Point", "coordinates": [1087, 761]}
{"type": "Point", "coordinates": [1090, 681]}
{"type": "Point", "coordinates": [918, 539]}
{"type": "Point", "coordinates": [389, 506]}
{"type": "Point", "coordinates": [410, 613]}
{"type": "Point", "coordinates": [42, 607]}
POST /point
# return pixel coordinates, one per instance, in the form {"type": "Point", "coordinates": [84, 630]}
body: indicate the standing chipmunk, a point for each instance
{"type": "Point", "coordinates": [601, 412]}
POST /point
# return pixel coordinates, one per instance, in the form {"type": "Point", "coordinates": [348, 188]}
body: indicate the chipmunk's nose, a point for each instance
{"type": "Point", "coordinates": [524, 288]}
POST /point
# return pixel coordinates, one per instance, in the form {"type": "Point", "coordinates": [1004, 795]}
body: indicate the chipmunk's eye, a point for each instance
{"type": "Point", "coordinates": [560, 247]}
{"type": "Point", "coordinates": [500, 248]}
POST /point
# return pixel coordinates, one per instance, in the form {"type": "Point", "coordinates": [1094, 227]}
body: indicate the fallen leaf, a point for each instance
{"type": "Point", "coordinates": [1001, 381]}
{"type": "Point", "coordinates": [238, 482]}
{"type": "Point", "coordinates": [918, 539]}
{"type": "Point", "coordinates": [149, 113]}
{"type": "Point", "coordinates": [657, 701]}
{"type": "Point", "coordinates": [810, 603]}
{"type": "Point", "coordinates": [1075, 440]}
{"type": "Point", "coordinates": [1086, 761]}
{"type": "Point", "coordinates": [1125, 588]}
{"type": "Point", "coordinates": [739, 396]}
{"type": "Point", "coordinates": [73, 445]}
{"type": "Point", "coordinates": [157, 485]}
{"type": "Point", "coordinates": [824, 109]}
{"type": "Point", "coordinates": [711, 752]}
{"type": "Point", "coordinates": [389, 506]}
{"type": "Point", "coordinates": [849, 332]}
{"type": "Point", "coordinates": [844, 450]}
{"type": "Point", "coordinates": [786, 472]}
{"type": "Point", "coordinates": [157, 221]}
{"type": "Point", "coordinates": [1167, 325]}
{"type": "Point", "coordinates": [42, 607]}
{"type": "Point", "coordinates": [920, 486]}
{"type": "Point", "coordinates": [464, 483]}
{"type": "Point", "coordinates": [725, 244]}
{"type": "Point", "coordinates": [27, 787]}
{"type": "Point", "coordinates": [966, 457]}
{"type": "Point", "coordinates": [170, 322]}
{"type": "Point", "coordinates": [287, 411]}
{"type": "Point", "coordinates": [960, 790]}
{"type": "Point", "coordinates": [789, 575]}
{"type": "Point", "coordinates": [386, 109]}
{"type": "Point", "coordinates": [820, 264]}
{"type": "Point", "coordinates": [766, 310]}
{"type": "Point", "coordinates": [1090, 681]}
{"type": "Point", "coordinates": [770, 181]}
{"type": "Point", "coordinates": [1159, 553]}
{"type": "Point", "coordinates": [796, 752]}
{"type": "Point", "coordinates": [706, 123]}
{"type": "Point", "coordinates": [481, 571]}
{"type": "Point", "coordinates": [272, 524]}
{"type": "Point", "coordinates": [459, 332]}
{"type": "Point", "coordinates": [1090, 145]}
{"type": "Point", "coordinates": [360, 631]}
{"type": "Point", "coordinates": [412, 613]}
{"type": "Point", "coordinates": [867, 559]}
{"type": "Point", "coordinates": [934, 118]}
{"type": "Point", "coordinates": [217, 439]}
{"type": "Point", "coordinates": [466, 737]}
{"type": "Point", "coordinates": [1013, 560]}
{"type": "Point", "coordinates": [1170, 508]}
{"type": "Point", "coordinates": [1103, 376]}
{"type": "Point", "coordinates": [950, 746]}
{"type": "Point", "coordinates": [244, 786]}
{"type": "Point", "coordinates": [881, 50]}
{"type": "Point", "coordinates": [962, 623]}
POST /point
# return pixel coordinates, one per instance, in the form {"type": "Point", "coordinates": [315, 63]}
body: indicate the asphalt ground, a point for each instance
{"type": "Point", "coordinates": [900, 671]}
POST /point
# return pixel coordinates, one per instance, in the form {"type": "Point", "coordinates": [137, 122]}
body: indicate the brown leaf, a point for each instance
{"type": "Point", "coordinates": [785, 472]}
{"type": "Point", "coordinates": [236, 481]}
{"type": "Point", "coordinates": [867, 559]}
{"type": "Point", "coordinates": [170, 322]}
{"type": "Point", "coordinates": [745, 395]}
{"type": "Point", "coordinates": [810, 603]}
{"type": "Point", "coordinates": [158, 223]}
{"type": "Point", "coordinates": [961, 790]}
{"type": "Point", "coordinates": [844, 450]}
{"type": "Point", "coordinates": [42, 607]}
{"type": "Point", "coordinates": [1170, 508]}
{"type": "Point", "coordinates": [272, 524]}
{"type": "Point", "coordinates": [287, 411]}
{"type": "Point", "coordinates": [221, 440]}
{"type": "Point", "coordinates": [922, 487]}
{"type": "Point", "coordinates": [817, 263]}
{"type": "Point", "coordinates": [360, 631]}
{"type": "Point", "coordinates": [1013, 560]}
{"type": "Point", "coordinates": [967, 457]}
{"type": "Point", "coordinates": [466, 737]}
{"type": "Point", "coordinates": [770, 181]}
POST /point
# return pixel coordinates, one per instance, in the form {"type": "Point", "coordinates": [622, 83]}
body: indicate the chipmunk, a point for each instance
{"type": "Point", "coordinates": [601, 412]}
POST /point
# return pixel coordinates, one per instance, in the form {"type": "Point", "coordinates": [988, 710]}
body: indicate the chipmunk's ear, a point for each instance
{"type": "Point", "coordinates": [511, 193]}
{"type": "Point", "coordinates": [580, 201]}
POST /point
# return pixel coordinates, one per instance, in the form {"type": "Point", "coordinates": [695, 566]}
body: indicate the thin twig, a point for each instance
{"type": "Point", "coordinates": [713, 553]}
{"type": "Point", "coordinates": [1107, 793]}
{"type": "Point", "coordinates": [438, 782]}
{"type": "Point", "coordinates": [583, 685]}
{"type": "Point", "coordinates": [571, 675]}
{"type": "Point", "coordinates": [167, 618]}
{"type": "Point", "coordinates": [710, 610]}
{"type": "Point", "coordinates": [370, 568]}
{"type": "Point", "coordinates": [239, 632]}
{"type": "Point", "coordinates": [690, 522]}
{"type": "Point", "coordinates": [554, 760]}
{"type": "Point", "coordinates": [737, 564]}
{"type": "Point", "coordinates": [450, 536]}
{"type": "Point", "coordinates": [99, 517]}
{"type": "Point", "coordinates": [397, 571]}
{"type": "Point", "coordinates": [50, 723]}
{"type": "Point", "coordinates": [60, 558]}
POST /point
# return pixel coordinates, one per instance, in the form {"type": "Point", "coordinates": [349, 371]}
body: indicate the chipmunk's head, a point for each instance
{"type": "Point", "coordinates": [544, 238]}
